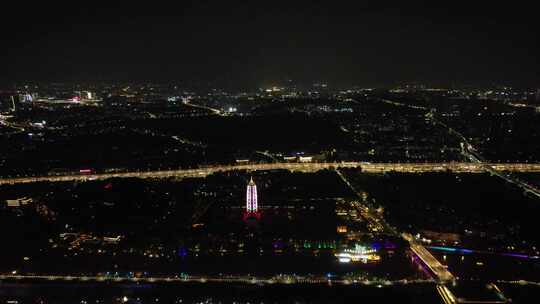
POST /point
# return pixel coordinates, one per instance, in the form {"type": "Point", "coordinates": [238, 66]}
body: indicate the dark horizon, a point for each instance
{"type": "Point", "coordinates": [250, 45]}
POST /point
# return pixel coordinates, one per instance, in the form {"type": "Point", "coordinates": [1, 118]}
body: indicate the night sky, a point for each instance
{"type": "Point", "coordinates": [264, 42]}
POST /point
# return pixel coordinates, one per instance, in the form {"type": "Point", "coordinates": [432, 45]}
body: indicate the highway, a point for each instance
{"type": "Point", "coordinates": [212, 110]}
{"type": "Point", "coordinates": [458, 167]}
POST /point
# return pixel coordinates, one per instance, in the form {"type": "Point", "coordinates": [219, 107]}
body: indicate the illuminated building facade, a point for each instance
{"type": "Point", "coordinates": [358, 254]}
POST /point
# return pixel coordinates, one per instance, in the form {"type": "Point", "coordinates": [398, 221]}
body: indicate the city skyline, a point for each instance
{"type": "Point", "coordinates": [269, 152]}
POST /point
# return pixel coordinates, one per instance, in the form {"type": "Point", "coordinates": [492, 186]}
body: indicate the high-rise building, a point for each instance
{"type": "Point", "coordinates": [251, 197]}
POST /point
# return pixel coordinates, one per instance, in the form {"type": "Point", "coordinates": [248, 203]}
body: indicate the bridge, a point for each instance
{"type": "Point", "coordinates": [438, 270]}
{"type": "Point", "coordinates": [458, 167]}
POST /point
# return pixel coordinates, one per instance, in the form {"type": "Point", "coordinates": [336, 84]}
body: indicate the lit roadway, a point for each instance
{"type": "Point", "coordinates": [212, 110]}
{"type": "Point", "coordinates": [245, 279]}
{"type": "Point", "coordinates": [459, 167]}
{"type": "Point", "coordinates": [376, 222]}
{"type": "Point", "coordinates": [448, 296]}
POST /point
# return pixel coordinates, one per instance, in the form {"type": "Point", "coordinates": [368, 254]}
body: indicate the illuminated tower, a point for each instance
{"type": "Point", "coordinates": [252, 214]}
{"type": "Point", "coordinates": [251, 197]}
